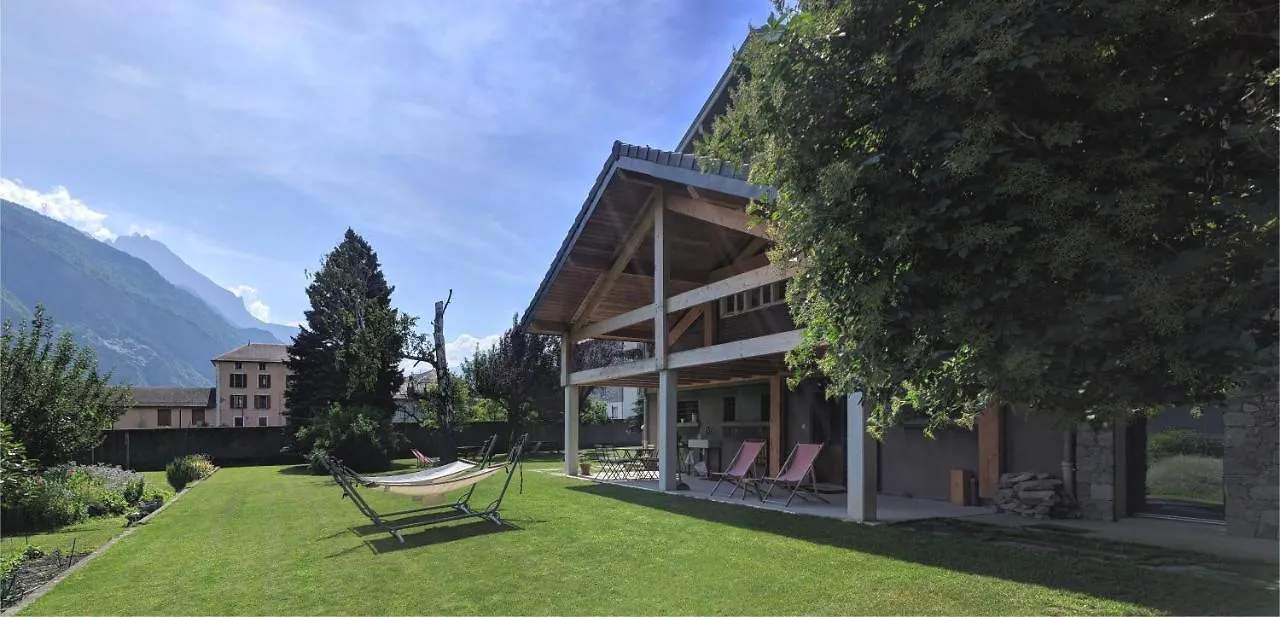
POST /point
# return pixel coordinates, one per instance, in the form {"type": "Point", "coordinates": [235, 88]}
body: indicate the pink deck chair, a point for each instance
{"type": "Point", "coordinates": [797, 474]}
{"type": "Point", "coordinates": [742, 469]}
{"type": "Point", "coordinates": [423, 460]}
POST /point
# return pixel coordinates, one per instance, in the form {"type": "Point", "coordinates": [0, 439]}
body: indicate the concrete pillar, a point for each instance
{"type": "Point", "coordinates": [861, 452]}
{"type": "Point", "coordinates": [667, 430]}
{"type": "Point", "coordinates": [571, 430]}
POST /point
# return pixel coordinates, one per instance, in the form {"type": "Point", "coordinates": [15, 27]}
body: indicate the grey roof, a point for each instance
{"type": "Point", "coordinates": [165, 396]}
{"type": "Point", "coordinates": [699, 172]}
{"type": "Point", "coordinates": [256, 352]}
{"type": "Point", "coordinates": [419, 381]}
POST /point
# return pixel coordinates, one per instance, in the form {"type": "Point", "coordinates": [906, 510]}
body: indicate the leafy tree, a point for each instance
{"type": "Point", "coordinates": [15, 468]}
{"type": "Point", "coordinates": [521, 372]}
{"type": "Point", "coordinates": [51, 393]}
{"type": "Point", "coordinates": [345, 360]}
{"type": "Point", "coordinates": [595, 411]}
{"type": "Point", "coordinates": [595, 353]}
{"type": "Point", "coordinates": [1066, 204]}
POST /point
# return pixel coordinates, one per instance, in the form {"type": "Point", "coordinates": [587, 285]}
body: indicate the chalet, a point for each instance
{"type": "Point", "coordinates": [662, 252]}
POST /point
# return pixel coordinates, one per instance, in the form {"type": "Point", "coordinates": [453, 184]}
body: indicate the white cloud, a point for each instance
{"type": "Point", "coordinates": [58, 205]}
{"type": "Point", "coordinates": [252, 303]}
{"type": "Point", "coordinates": [463, 347]}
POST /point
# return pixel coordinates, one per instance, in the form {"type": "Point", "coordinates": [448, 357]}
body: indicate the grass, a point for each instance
{"type": "Point", "coordinates": [270, 540]}
{"type": "Point", "coordinates": [1189, 477]}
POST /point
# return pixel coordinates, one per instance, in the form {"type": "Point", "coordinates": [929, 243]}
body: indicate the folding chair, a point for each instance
{"type": "Point", "coordinates": [423, 460]}
{"type": "Point", "coordinates": [742, 469]}
{"type": "Point", "coordinates": [795, 471]}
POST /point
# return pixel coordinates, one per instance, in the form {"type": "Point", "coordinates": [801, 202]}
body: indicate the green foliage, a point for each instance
{"type": "Point", "coordinates": [521, 372]}
{"type": "Point", "coordinates": [55, 401]}
{"type": "Point", "coordinates": [48, 503]}
{"type": "Point", "coordinates": [184, 470]}
{"type": "Point", "coordinates": [15, 468]}
{"type": "Point", "coordinates": [595, 411]}
{"type": "Point", "coordinates": [1175, 442]}
{"type": "Point", "coordinates": [1069, 205]}
{"type": "Point", "coordinates": [362, 437]}
{"type": "Point", "coordinates": [345, 359]}
{"type": "Point", "coordinates": [134, 490]}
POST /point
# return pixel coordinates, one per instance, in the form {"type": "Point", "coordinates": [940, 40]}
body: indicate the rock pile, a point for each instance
{"type": "Point", "coordinates": [1034, 494]}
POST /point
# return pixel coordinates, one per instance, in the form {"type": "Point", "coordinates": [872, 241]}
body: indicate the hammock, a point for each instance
{"type": "Point", "coordinates": [426, 489]}
{"type": "Point", "coordinates": [425, 476]}
{"type": "Point", "coordinates": [433, 490]}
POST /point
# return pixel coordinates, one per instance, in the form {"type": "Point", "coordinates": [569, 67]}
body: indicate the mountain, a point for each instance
{"type": "Point", "coordinates": [146, 330]}
{"type": "Point", "coordinates": [171, 267]}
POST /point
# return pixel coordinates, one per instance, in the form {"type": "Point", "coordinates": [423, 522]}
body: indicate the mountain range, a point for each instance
{"type": "Point", "coordinates": [152, 319]}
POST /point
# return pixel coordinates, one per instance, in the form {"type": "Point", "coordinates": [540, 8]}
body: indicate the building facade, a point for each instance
{"type": "Point", "coordinates": [251, 384]}
{"type": "Point", "coordinates": [164, 407]}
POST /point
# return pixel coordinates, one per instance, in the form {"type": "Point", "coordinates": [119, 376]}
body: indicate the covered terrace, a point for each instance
{"type": "Point", "coordinates": [660, 241]}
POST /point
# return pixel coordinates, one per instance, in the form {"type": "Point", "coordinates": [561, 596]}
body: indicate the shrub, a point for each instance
{"type": "Point", "coordinates": [133, 492]}
{"type": "Point", "coordinates": [1198, 478]}
{"type": "Point", "coordinates": [1181, 441]}
{"type": "Point", "coordinates": [184, 470]}
{"type": "Point", "coordinates": [152, 493]}
{"type": "Point", "coordinates": [315, 462]}
{"type": "Point", "coordinates": [52, 503]}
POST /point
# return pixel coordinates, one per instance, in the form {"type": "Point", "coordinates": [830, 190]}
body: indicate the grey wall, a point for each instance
{"type": "Point", "coordinates": [917, 466]}
{"type": "Point", "coordinates": [768, 320]}
{"type": "Point", "coordinates": [1251, 469]}
{"type": "Point", "coordinates": [1031, 444]}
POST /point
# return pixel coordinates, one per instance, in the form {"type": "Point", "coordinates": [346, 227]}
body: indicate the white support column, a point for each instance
{"type": "Point", "coordinates": [861, 472]}
{"type": "Point", "coordinates": [667, 430]}
{"type": "Point", "coordinates": [570, 407]}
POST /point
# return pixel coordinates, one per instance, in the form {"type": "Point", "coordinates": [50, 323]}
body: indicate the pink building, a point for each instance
{"type": "Point", "coordinates": [250, 390]}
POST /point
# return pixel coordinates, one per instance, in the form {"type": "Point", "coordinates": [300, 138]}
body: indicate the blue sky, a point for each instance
{"type": "Point", "coordinates": [459, 138]}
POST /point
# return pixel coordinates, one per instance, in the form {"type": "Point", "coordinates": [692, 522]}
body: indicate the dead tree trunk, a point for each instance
{"type": "Point", "coordinates": [444, 387]}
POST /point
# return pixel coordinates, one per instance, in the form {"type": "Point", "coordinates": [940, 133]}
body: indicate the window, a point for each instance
{"type": "Point", "coordinates": [262, 366]}
{"type": "Point", "coordinates": [239, 380]}
{"type": "Point", "coordinates": [164, 417]}
{"type": "Point", "coordinates": [239, 421]}
{"type": "Point", "coordinates": [239, 365]}
{"type": "Point", "coordinates": [730, 409]}
{"type": "Point", "coordinates": [262, 420]}
{"type": "Point", "coordinates": [752, 299]}
{"type": "Point", "coordinates": [264, 381]}
{"type": "Point", "coordinates": [197, 417]}
{"type": "Point", "coordinates": [262, 401]}
{"type": "Point", "coordinates": [239, 401]}
{"type": "Point", "coordinates": [687, 412]}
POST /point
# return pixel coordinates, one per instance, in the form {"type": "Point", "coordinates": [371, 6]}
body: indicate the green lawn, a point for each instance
{"type": "Point", "coordinates": [267, 540]}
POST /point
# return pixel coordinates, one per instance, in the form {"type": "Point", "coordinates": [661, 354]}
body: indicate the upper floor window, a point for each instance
{"type": "Point", "coordinates": [262, 401]}
{"type": "Point", "coordinates": [264, 380]}
{"type": "Point", "coordinates": [164, 417]}
{"type": "Point", "coordinates": [239, 365]}
{"type": "Point", "coordinates": [239, 380]}
{"type": "Point", "coordinates": [262, 366]}
{"type": "Point", "coordinates": [687, 412]}
{"type": "Point", "coordinates": [239, 401]}
{"type": "Point", "coordinates": [752, 299]}
{"type": "Point", "coordinates": [730, 409]}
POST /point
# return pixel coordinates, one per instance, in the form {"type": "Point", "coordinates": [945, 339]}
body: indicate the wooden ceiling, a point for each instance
{"type": "Point", "coordinates": [697, 249]}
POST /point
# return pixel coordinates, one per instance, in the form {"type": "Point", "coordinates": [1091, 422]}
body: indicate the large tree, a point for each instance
{"type": "Point", "coordinates": [521, 372]}
{"type": "Point", "coordinates": [1066, 204]}
{"type": "Point", "coordinates": [346, 360]}
{"type": "Point", "coordinates": [52, 396]}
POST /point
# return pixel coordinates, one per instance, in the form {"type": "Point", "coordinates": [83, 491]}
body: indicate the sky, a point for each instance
{"type": "Point", "coordinates": [459, 138]}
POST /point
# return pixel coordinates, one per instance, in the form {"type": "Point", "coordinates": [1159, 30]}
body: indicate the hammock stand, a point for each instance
{"type": "Point", "coordinates": [395, 522]}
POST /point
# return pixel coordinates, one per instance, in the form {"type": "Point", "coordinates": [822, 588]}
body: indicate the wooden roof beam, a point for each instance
{"type": "Point", "coordinates": [628, 249]}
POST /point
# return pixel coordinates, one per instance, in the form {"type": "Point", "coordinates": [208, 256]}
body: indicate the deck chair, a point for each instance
{"type": "Point", "coordinates": [423, 460]}
{"type": "Point", "coordinates": [742, 469]}
{"type": "Point", "coordinates": [460, 508]}
{"type": "Point", "coordinates": [797, 474]}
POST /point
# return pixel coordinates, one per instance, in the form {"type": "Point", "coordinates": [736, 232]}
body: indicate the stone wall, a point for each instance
{"type": "Point", "coordinates": [1251, 468]}
{"type": "Point", "coordinates": [1096, 473]}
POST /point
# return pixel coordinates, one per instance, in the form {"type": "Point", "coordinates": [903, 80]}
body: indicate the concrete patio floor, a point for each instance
{"type": "Point", "coordinates": [889, 509]}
